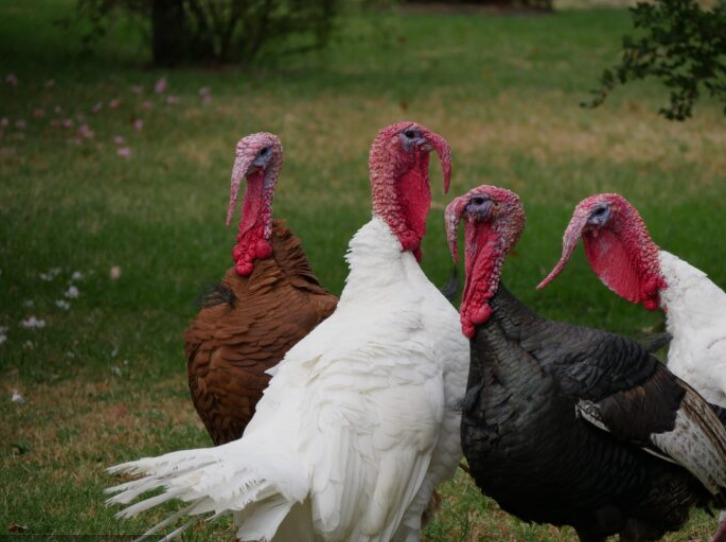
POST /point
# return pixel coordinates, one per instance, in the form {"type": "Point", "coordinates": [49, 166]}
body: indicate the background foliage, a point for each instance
{"type": "Point", "coordinates": [114, 186]}
{"type": "Point", "coordinates": [679, 43]}
{"type": "Point", "coordinates": [214, 31]}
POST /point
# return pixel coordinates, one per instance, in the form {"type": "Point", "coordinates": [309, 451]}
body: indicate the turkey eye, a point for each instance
{"type": "Point", "coordinates": [599, 215]}
{"type": "Point", "coordinates": [264, 151]}
{"type": "Point", "coordinates": [477, 200]}
{"type": "Point", "coordinates": [410, 134]}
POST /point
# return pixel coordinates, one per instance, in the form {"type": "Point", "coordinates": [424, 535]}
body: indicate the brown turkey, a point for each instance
{"type": "Point", "coordinates": [264, 305]}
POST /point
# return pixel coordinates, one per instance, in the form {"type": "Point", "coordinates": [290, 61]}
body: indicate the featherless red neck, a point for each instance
{"type": "Point", "coordinates": [399, 171]}
{"type": "Point", "coordinates": [618, 247]}
{"type": "Point", "coordinates": [494, 221]}
{"type": "Point", "coordinates": [258, 159]}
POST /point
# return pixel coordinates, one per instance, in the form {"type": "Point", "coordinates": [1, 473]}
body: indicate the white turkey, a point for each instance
{"type": "Point", "coordinates": [358, 424]}
{"type": "Point", "coordinates": [627, 260]}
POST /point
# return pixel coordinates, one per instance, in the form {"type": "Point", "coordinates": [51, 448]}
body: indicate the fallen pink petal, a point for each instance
{"type": "Point", "coordinates": [124, 152]}
{"type": "Point", "coordinates": [39, 113]}
{"type": "Point", "coordinates": [96, 108]}
{"type": "Point", "coordinates": [20, 124]}
{"type": "Point", "coordinates": [10, 79]}
{"type": "Point", "coordinates": [160, 86]}
{"type": "Point", "coordinates": [119, 140]}
{"type": "Point", "coordinates": [85, 132]}
{"type": "Point", "coordinates": [62, 304]}
{"type": "Point", "coordinates": [138, 124]}
{"type": "Point", "coordinates": [67, 123]}
{"type": "Point", "coordinates": [114, 273]}
{"type": "Point", "coordinates": [114, 104]}
{"type": "Point", "coordinates": [4, 122]}
{"type": "Point", "coordinates": [172, 100]}
{"type": "Point", "coordinates": [145, 105]}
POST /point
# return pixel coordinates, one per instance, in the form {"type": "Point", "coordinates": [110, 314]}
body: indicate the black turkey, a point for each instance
{"type": "Point", "coordinates": [569, 425]}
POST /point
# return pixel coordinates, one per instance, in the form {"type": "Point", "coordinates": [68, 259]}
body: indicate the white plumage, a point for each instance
{"type": "Point", "coordinates": [695, 311]}
{"type": "Point", "coordinates": [357, 426]}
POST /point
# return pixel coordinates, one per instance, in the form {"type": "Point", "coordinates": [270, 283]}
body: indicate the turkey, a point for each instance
{"type": "Point", "coordinates": [568, 425]}
{"type": "Point", "coordinates": [623, 255]}
{"type": "Point", "coordinates": [264, 305]}
{"type": "Point", "coordinates": [358, 424]}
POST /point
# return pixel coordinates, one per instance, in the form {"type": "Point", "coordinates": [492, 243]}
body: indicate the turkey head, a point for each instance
{"type": "Point", "coordinates": [494, 221]}
{"type": "Point", "coordinates": [258, 158]}
{"type": "Point", "coordinates": [618, 247]}
{"type": "Point", "coordinates": [399, 171]}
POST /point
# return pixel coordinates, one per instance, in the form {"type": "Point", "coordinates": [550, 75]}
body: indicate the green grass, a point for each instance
{"type": "Point", "coordinates": [105, 381]}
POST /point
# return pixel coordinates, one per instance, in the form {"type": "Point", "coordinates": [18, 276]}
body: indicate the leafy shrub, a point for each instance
{"type": "Point", "coordinates": [216, 31]}
{"type": "Point", "coordinates": [682, 45]}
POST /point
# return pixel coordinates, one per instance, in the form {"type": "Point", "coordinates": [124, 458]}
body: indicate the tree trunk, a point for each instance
{"type": "Point", "coordinates": [168, 29]}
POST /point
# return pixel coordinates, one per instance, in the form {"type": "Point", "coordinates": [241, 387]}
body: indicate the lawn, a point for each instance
{"type": "Point", "coordinates": [109, 232]}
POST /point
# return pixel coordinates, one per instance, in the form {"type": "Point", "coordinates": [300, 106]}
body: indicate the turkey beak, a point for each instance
{"type": "Point", "coordinates": [443, 149]}
{"type": "Point", "coordinates": [569, 241]}
{"type": "Point", "coordinates": [240, 170]}
{"type": "Point", "coordinates": [452, 217]}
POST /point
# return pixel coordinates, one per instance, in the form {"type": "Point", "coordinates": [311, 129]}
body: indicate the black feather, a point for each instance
{"type": "Point", "coordinates": [530, 450]}
{"type": "Point", "coordinates": [452, 287]}
{"type": "Point", "coordinates": [653, 343]}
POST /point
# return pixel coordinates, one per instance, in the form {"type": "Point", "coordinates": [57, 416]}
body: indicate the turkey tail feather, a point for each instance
{"type": "Point", "coordinates": [260, 488]}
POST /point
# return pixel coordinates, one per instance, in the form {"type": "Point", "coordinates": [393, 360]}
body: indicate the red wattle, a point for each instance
{"type": "Point", "coordinates": [237, 252]}
{"type": "Point", "coordinates": [244, 268]}
{"type": "Point", "coordinates": [467, 327]}
{"type": "Point", "coordinates": [626, 259]}
{"type": "Point", "coordinates": [256, 211]}
{"type": "Point", "coordinates": [482, 275]}
{"type": "Point", "coordinates": [263, 249]}
{"type": "Point", "coordinates": [414, 198]}
{"type": "Point", "coordinates": [650, 304]}
{"type": "Point", "coordinates": [482, 314]}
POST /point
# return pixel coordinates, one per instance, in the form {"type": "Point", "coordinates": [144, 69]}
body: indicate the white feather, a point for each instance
{"type": "Point", "coordinates": [696, 318]}
{"type": "Point", "coordinates": [694, 449]}
{"type": "Point", "coordinates": [357, 426]}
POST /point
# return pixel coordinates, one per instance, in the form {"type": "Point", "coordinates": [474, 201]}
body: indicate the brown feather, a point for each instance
{"type": "Point", "coordinates": [650, 407]}
{"type": "Point", "coordinates": [234, 340]}
{"type": "Point", "coordinates": [664, 415]}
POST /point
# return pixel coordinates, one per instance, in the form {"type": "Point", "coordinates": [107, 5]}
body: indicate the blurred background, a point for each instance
{"type": "Point", "coordinates": [118, 121]}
